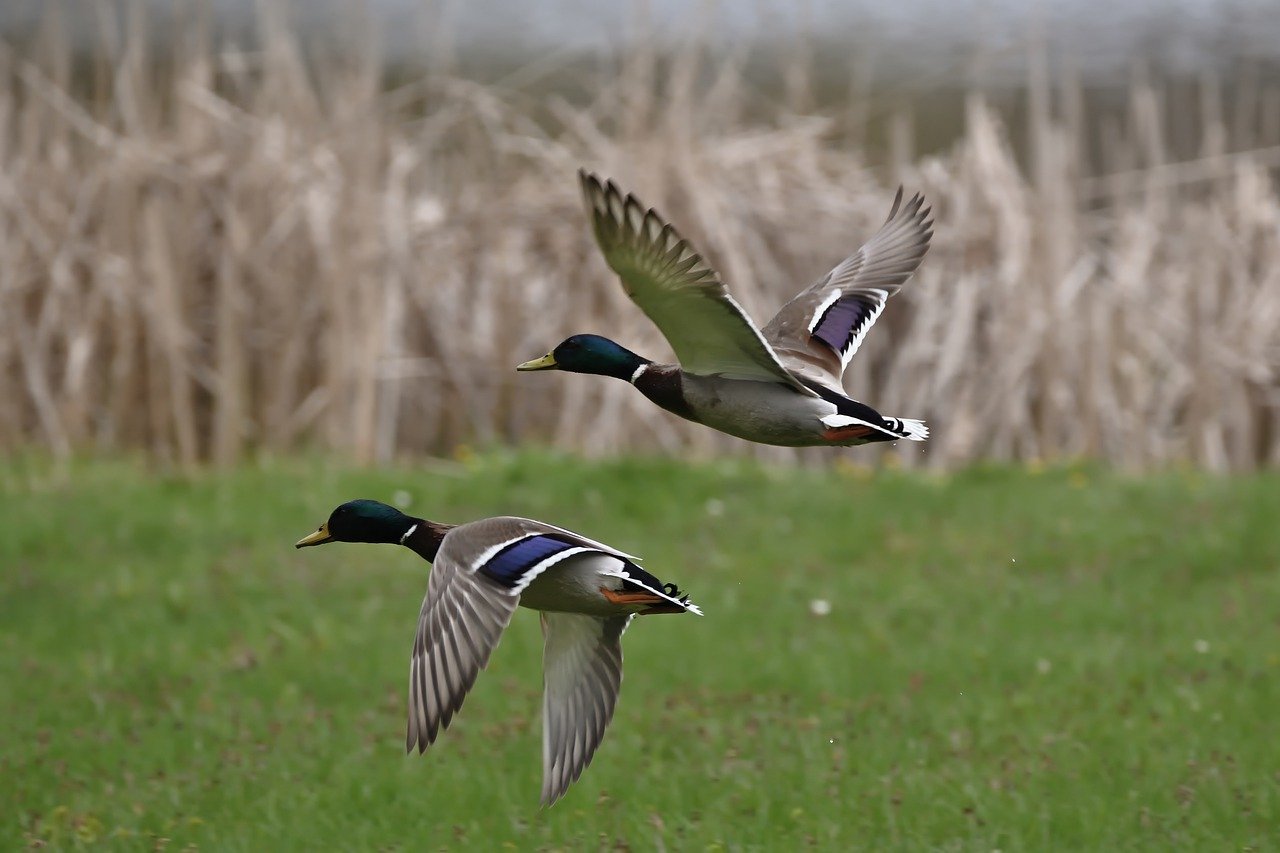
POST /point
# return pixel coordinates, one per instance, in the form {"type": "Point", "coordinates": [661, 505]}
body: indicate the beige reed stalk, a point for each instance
{"type": "Point", "coordinates": [209, 252]}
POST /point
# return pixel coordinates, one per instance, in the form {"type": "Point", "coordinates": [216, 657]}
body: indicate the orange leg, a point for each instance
{"type": "Point", "coordinates": [835, 434]}
{"type": "Point", "coordinates": [630, 597]}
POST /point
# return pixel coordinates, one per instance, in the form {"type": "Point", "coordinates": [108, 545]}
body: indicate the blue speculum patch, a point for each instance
{"type": "Point", "coordinates": [510, 564]}
{"type": "Point", "coordinates": [841, 321]}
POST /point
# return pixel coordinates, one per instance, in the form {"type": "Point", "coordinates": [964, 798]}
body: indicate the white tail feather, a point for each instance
{"type": "Point", "coordinates": [907, 428]}
{"type": "Point", "coordinates": [912, 430]}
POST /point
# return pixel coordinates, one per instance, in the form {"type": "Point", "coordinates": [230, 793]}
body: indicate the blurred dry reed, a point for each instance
{"type": "Point", "coordinates": [261, 251]}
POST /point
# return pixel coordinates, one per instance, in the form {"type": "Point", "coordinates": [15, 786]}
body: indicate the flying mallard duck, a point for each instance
{"type": "Point", "coordinates": [779, 386]}
{"type": "Point", "coordinates": [587, 594]}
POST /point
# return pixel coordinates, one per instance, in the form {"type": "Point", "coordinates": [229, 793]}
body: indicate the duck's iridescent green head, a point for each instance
{"type": "Point", "coordinates": [589, 354]}
{"type": "Point", "coordinates": [362, 521]}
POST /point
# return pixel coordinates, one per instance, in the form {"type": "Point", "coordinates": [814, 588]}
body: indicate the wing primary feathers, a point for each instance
{"type": "Point", "coordinates": [670, 281]}
{"type": "Point", "coordinates": [463, 616]}
{"type": "Point", "coordinates": [583, 674]}
{"type": "Point", "coordinates": [818, 332]}
{"type": "Point", "coordinates": [897, 200]}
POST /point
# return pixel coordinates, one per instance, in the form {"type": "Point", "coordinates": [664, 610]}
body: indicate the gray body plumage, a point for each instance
{"type": "Point", "coordinates": [765, 412]}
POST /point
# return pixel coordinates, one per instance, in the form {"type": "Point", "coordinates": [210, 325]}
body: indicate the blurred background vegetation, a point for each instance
{"type": "Point", "coordinates": [232, 228]}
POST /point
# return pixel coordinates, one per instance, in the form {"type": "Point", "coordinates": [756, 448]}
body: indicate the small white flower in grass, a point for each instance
{"type": "Point", "coordinates": [401, 498]}
{"type": "Point", "coordinates": [820, 607]}
{"type": "Point", "coordinates": [1043, 666]}
{"type": "Point", "coordinates": [715, 507]}
{"type": "Point", "coordinates": [1202, 647]}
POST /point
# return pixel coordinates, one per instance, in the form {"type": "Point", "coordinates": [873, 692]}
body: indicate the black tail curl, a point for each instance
{"type": "Point", "coordinates": [674, 591]}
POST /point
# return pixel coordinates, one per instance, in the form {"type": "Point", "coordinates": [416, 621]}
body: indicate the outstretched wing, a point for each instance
{"type": "Point", "coordinates": [667, 278]}
{"type": "Point", "coordinates": [817, 332]}
{"type": "Point", "coordinates": [462, 619]}
{"type": "Point", "coordinates": [582, 662]}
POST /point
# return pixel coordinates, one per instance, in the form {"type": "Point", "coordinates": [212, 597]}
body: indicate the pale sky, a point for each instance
{"type": "Point", "coordinates": [1094, 33]}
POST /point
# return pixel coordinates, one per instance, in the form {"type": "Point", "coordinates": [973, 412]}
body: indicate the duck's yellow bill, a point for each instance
{"type": "Point", "coordinates": [320, 537]}
{"type": "Point", "coordinates": [547, 362]}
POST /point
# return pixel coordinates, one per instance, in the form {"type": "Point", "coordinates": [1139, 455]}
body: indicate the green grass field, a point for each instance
{"type": "Point", "coordinates": [1012, 660]}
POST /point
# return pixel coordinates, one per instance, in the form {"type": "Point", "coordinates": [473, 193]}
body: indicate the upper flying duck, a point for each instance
{"type": "Point", "coordinates": [781, 385]}
{"type": "Point", "coordinates": [587, 592]}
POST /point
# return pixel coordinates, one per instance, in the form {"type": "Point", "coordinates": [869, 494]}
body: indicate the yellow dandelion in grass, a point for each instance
{"type": "Point", "coordinates": [853, 469]}
{"type": "Point", "coordinates": [1077, 480]}
{"type": "Point", "coordinates": [88, 829]}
